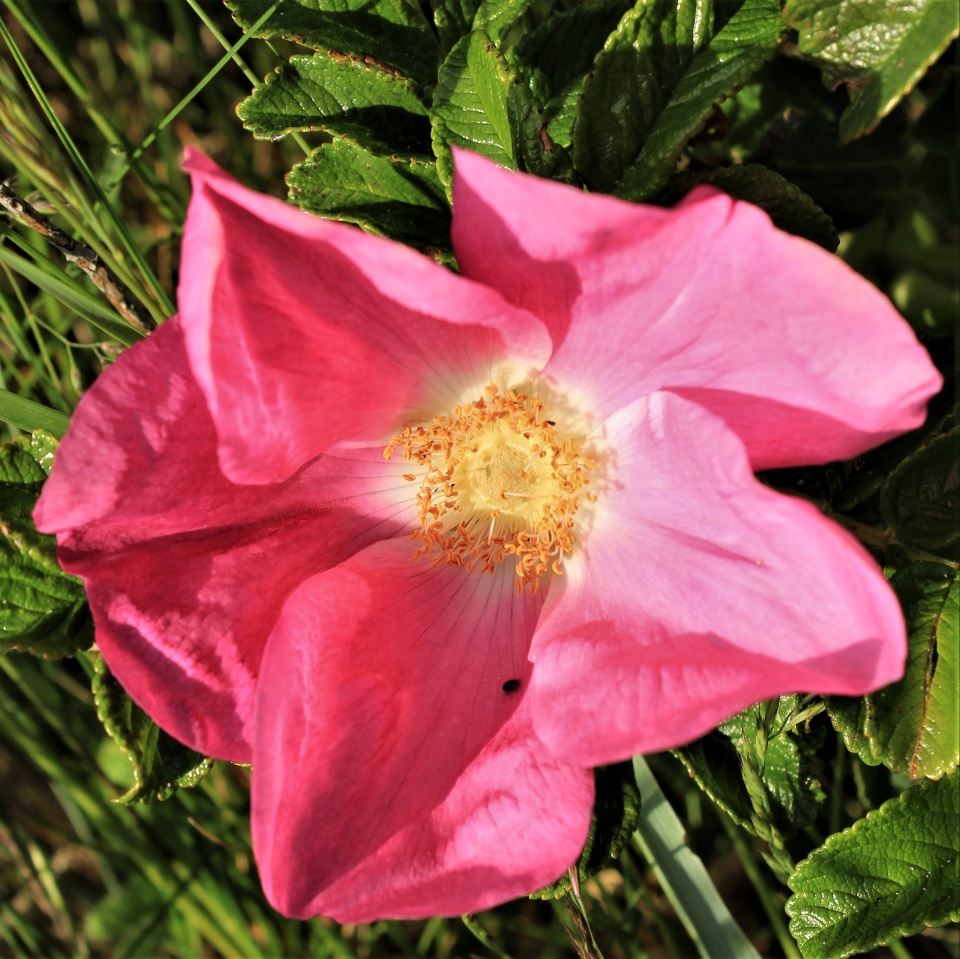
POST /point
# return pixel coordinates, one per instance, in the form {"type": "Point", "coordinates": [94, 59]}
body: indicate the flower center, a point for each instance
{"type": "Point", "coordinates": [496, 479]}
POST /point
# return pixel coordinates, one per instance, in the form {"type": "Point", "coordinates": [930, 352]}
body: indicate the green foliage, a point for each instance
{"type": "Point", "coordinates": [453, 18]}
{"type": "Point", "coordinates": [470, 105]}
{"type": "Point", "coordinates": [914, 725]}
{"type": "Point", "coordinates": [919, 499]}
{"type": "Point", "coordinates": [879, 50]}
{"type": "Point", "coordinates": [891, 874]}
{"type": "Point", "coordinates": [496, 17]}
{"type": "Point", "coordinates": [708, 77]}
{"type": "Point", "coordinates": [556, 57]}
{"type": "Point", "coordinates": [758, 767]}
{"type": "Point", "coordinates": [28, 415]}
{"type": "Point", "coordinates": [42, 610]}
{"type": "Point", "coordinates": [615, 813]}
{"type": "Point", "coordinates": [393, 32]}
{"type": "Point", "coordinates": [630, 84]}
{"type": "Point", "coordinates": [789, 208]}
{"type": "Point", "coordinates": [343, 95]}
{"type": "Point", "coordinates": [160, 764]}
{"type": "Point", "coordinates": [645, 100]}
{"type": "Point", "coordinates": [397, 196]}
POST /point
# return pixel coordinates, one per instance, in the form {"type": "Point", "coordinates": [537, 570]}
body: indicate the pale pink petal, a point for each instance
{"type": "Point", "coordinates": [185, 571]}
{"type": "Point", "coordinates": [697, 592]}
{"type": "Point", "coordinates": [393, 774]}
{"type": "Point", "coordinates": [805, 360]}
{"type": "Point", "coordinates": [303, 333]}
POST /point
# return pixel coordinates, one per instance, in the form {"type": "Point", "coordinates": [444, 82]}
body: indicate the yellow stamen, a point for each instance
{"type": "Point", "coordinates": [496, 479]}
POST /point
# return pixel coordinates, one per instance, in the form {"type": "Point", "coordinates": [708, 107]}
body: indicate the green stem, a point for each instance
{"type": "Point", "coordinates": [481, 934]}
{"type": "Point", "coordinates": [106, 208]}
{"type": "Point", "coordinates": [174, 113]}
{"type": "Point", "coordinates": [660, 837]}
{"type": "Point", "coordinates": [771, 904]}
{"type": "Point", "coordinates": [899, 950]}
{"type": "Point", "coordinates": [836, 792]}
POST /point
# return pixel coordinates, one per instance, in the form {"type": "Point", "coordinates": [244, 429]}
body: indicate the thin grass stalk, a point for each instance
{"type": "Point", "coordinates": [172, 115]}
{"type": "Point", "coordinates": [162, 307]}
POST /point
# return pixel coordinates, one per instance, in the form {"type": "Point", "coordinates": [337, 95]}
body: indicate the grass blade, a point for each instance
{"type": "Point", "coordinates": [660, 836]}
{"type": "Point", "coordinates": [27, 415]}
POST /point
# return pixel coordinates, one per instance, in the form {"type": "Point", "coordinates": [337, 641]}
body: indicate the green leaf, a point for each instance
{"type": "Point", "coordinates": [849, 716]}
{"type": "Point", "coordinates": [42, 609]}
{"type": "Point", "coordinates": [717, 762]}
{"type": "Point", "coordinates": [496, 17]}
{"type": "Point", "coordinates": [556, 57]}
{"type": "Point", "coordinates": [878, 49]}
{"type": "Point", "coordinates": [630, 84]}
{"type": "Point", "coordinates": [561, 114]}
{"type": "Point", "coordinates": [160, 763]}
{"type": "Point", "coordinates": [394, 32]}
{"type": "Point", "coordinates": [454, 19]}
{"type": "Point", "coordinates": [788, 207]}
{"type": "Point", "coordinates": [537, 153]}
{"type": "Point", "coordinates": [919, 500]}
{"type": "Point", "coordinates": [470, 107]}
{"type": "Point", "coordinates": [562, 49]}
{"type": "Point", "coordinates": [890, 875]}
{"type": "Point", "coordinates": [914, 725]}
{"type": "Point", "coordinates": [616, 809]}
{"type": "Point", "coordinates": [713, 73]}
{"type": "Point", "coordinates": [870, 471]}
{"type": "Point", "coordinates": [397, 196]}
{"type": "Point", "coordinates": [786, 119]}
{"type": "Point", "coordinates": [343, 95]}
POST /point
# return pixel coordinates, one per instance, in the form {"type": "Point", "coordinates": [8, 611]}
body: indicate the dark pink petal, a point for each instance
{"type": "Point", "coordinates": [697, 592]}
{"type": "Point", "coordinates": [805, 360]}
{"type": "Point", "coordinates": [185, 571]}
{"type": "Point", "coordinates": [393, 775]}
{"type": "Point", "coordinates": [303, 333]}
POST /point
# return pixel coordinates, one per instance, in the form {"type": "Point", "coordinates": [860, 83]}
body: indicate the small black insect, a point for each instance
{"type": "Point", "coordinates": [511, 685]}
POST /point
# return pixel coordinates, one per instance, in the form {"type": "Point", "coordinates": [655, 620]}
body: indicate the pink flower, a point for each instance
{"type": "Point", "coordinates": [423, 657]}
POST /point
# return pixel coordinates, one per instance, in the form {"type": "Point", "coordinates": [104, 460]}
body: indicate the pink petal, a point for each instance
{"type": "Point", "coordinates": [303, 333]}
{"type": "Point", "coordinates": [698, 592]}
{"type": "Point", "coordinates": [393, 775]}
{"type": "Point", "coordinates": [805, 360]}
{"type": "Point", "coordinates": [185, 571]}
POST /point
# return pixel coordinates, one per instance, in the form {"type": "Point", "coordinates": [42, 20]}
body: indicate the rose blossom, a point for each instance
{"type": "Point", "coordinates": [425, 548]}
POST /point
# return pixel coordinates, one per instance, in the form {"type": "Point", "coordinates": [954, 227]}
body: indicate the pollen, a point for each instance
{"type": "Point", "coordinates": [496, 481]}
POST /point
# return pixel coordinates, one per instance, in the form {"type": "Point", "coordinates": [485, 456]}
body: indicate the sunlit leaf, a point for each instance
{"type": "Point", "coordinates": [913, 725]}
{"type": "Point", "coordinates": [889, 875]}
{"type": "Point", "coordinates": [878, 49]}
{"type": "Point", "coordinates": [630, 84]}
{"type": "Point", "coordinates": [713, 73]}
{"type": "Point", "coordinates": [342, 95]}
{"type": "Point", "coordinates": [470, 105]}
{"type": "Point", "coordinates": [160, 764]}
{"type": "Point", "coordinates": [786, 759]}
{"type": "Point", "coordinates": [42, 609]}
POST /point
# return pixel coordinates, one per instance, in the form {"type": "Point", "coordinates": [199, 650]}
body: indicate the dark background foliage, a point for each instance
{"type": "Point", "coordinates": [839, 118]}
